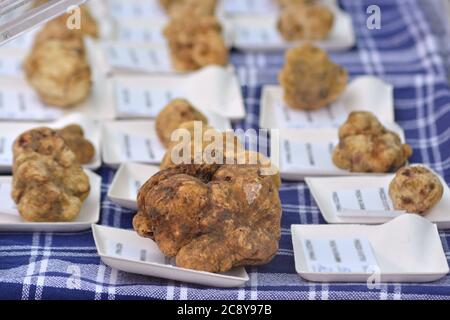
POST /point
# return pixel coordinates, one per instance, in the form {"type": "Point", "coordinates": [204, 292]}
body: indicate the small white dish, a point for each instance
{"type": "Point", "coordinates": [324, 191]}
{"type": "Point", "coordinates": [259, 32]}
{"type": "Point", "coordinates": [10, 220]}
{"type": "Point", "coordinates": [308, 152]}
{"type": "Point", "coordinates": [125, 250]}
{"type": "Point", "coordinates": [126, 183]}
{"type": "Point", "coordinates": [406, 249]}
{"type": "Point", "coordinates": [9, 131]}
{"type": "Point", "coordinates": [211, 89]}
{"type": "Point", "coordinates": [364, 93]}
{"type": "Point", "coordinates": [135, 9]}
{"type": "Point", "coordinates": [11, 61]}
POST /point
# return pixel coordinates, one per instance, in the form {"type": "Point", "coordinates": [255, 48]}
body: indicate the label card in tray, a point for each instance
{"type": "Point", "coordinates": [135, 9]}
{"type": "Point", "coordinates": [7, 205]}
{"type": "Point", "coordinates": [367, 202]}
{"type": "Point", "coordinates": [21, 103]}
{"type": "Point", "coordinates": [249, 6]}
{"type": "Point", "coordinates": [140, 149]}
{"type": "Point", "coordinates": [301, 155]}
{"type": "Point", "coordinates": [140, 34]}
{"type": "Point", "coordinates": [340, 255]}
{"type": "Point", "coordinates": [6, 155]}
{"type": "Point", "coordinates": [148, 59]}
{"type": "Point", "coordinates": [143, 102]}
{"type": "Point", "coordinates": [123, 250]}
{"type": "Point", "coordinates": [330, 117]}
{"type": "Point", "coordinates": [251, 35]}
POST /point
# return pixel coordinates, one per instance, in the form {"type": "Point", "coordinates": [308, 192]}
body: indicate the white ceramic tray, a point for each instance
{"type": "Point", "coordinates": [308, 152]}
{"type": "Point", "coordinates": [119, 9]}
{"type": "Point", "coordinates": [10, 220]}
{"type": "Point", "coordinates": [406, 249]}
{"type": "Point", "coordinates": [364, 93]}
{"type": "Point", "coordinates": [126, 251]}
{"type": "Point", "coordinates": [9, 131]}
{"type": "Point", "coordinates": [260, 33]}
{"type": "Point", "coordinates": [324, 192]}
{"type": "Point", "coordinates": [127, 182]}
{"type": "Point", "coordinates": [211, 90]}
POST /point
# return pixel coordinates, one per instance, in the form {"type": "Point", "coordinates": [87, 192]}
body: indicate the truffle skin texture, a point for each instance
{"type": "Point", "coordinates": [305, 22]}
{"type": "Point", "coordinates": [48, 183]}
{"type": "Point", "coordinates": [83, 149]}
{"type": "Point", "coordinates": [173, 115]}
{"type": "Point", "coordinates": [415, 190]}
{"type": "Point", "coordinates": [180, 8]}
{"type": "Point", "coordinates": [210, 217]}
{"type": "Point", "coordinates": [365, 145]}
{"type": "Point", "coordinates": [195, 43]}
{"type": "Point", "coordinates": [59, 72]}
{"type": "Point", "coordinates": [310, 80]}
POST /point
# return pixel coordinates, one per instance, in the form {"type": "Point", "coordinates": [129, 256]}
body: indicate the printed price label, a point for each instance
{"type": "Point", "coordinates": [135, 253]}
{"type": "Point", "coordinates": [23, 104]}
{"type": "Point", "coordinates": [6, 155]}
{"type": "Point", "coordinates": [142, 102]}
{"type": "Point", "coordinates": [141, 34]}
{"type": "Point", "coordinates": [250, 35]}
{"type": "Point", "coordinates": [141, 149]}
{"type": "Point", "coordinates": [345, 255]}
{"type": "Point", "coordinates": [369, 202]}
{"type": "Point", "coordinates": [135, 9]}
{"type": "Point", "coordinates": [11, 66]}
{"type": "Point", "coordinates": [249, 6]}
{"type": "Point", "coordinates": [329, 117]}
{"type": "Point", "coordinates": [135, 185]}
{"type": "Point", "coordinates": [138, 59]}
{"type": "Point", "coordinates": [7, 205]}
{"type": "Point", "coordinates": [301, 155]}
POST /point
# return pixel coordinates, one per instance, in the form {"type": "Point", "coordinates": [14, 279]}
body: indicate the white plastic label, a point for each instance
{"type": "Point", "coordinates": [11, 66]}
{"type": "Point", "coordinates": [7, 205]}
{"type": "Point", "coordinates": [143, 102]}
{"type": "Point", "coordinates": [23, 104]}
{"type": "Point", "coordinates": [369, 202]}
{"type": "Point", "coordinates": [329, 117]}
{"type": "Point", "coordinates": [141, 34]}
{"type": "Point", "coordinates": [340, 255]}
{"type": "Point", "coordinates": [249, 6]}
{"type": "Point", "coordinates": [301, 155]}
{"type": "Point", "coordinates": [126, 251]}
{"type": "Point", "coordinates": [6, 155]}
{"type": "Point", "coordinates": [135, 9]}
{"type": "Point", "coordinates": [251, 35]}
{"type": "Point", "coordinates": [141, 149]}
{"type": "Point", "coordinates": [138, 59]}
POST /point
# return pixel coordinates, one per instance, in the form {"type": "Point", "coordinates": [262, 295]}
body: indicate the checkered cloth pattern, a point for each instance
{"type": "Point", "coordinates": [404, 52]}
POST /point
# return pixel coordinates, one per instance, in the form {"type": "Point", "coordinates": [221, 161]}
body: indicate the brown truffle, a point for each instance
{"type": "Point", "coordinates": [310, 80]}
{"type": "Point", "coordinates": [211, 217]}
{"type": "Point", "coordinates": [48, 183]}
{"type": "Point", "coordinates": [173, 115]}
{"type": "Point", "coordinates": [415, 190]}
{"type": "Point", "coordinates": [305, 22]}
{"type": "Point", "coordinates": [196, 43]}
{"type": "Point", "coordinates": [365, 145]}
{"type": "Point", "coordinates": [83, 149]}
{"type": "Point", "coordinates": [183, 8]}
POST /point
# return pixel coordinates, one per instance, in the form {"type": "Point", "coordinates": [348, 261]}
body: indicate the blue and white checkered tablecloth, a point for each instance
{"type": "Point", "coordinates": [403, 52]}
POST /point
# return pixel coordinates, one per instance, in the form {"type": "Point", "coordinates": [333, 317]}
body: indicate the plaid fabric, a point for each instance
{"type": "Point", "coordinates": [403, 52]}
